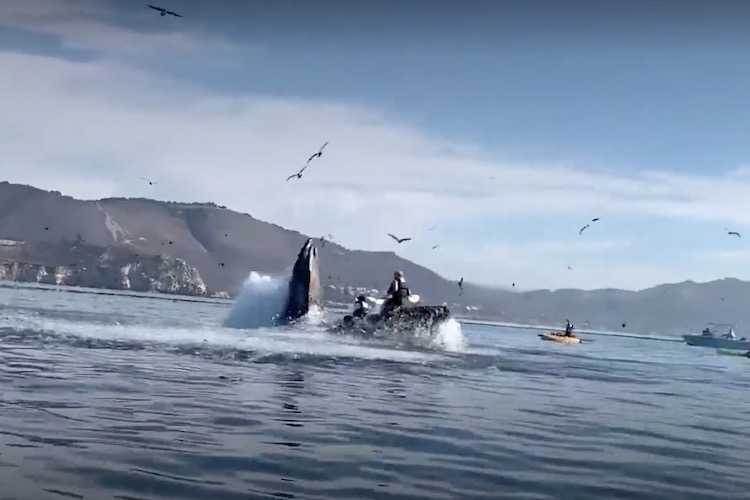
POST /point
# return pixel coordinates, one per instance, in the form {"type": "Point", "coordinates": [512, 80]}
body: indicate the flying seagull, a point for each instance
{"type": "Point", "coordinates": [433, 227]}
{"type": "Point", "coordinates": [150, 183]}
{"type": "Point", "coordinates": [735, 233]}
{"type": "Point", "coordinates": [435, 246]}
{"type": "Point", "coordinates": [164, 12]}
{"type": "Point", "coordinates": [397, 239]}
{"type": "Point", "coordinates": [587, 226]}
{"type": "Point", "coordinates": [298, 175]}
{"type": "Point", "coordinates": [319, 153]}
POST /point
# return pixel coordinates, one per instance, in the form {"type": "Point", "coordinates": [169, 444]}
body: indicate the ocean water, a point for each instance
{"type": "Point", "coordinates": [107, 397]}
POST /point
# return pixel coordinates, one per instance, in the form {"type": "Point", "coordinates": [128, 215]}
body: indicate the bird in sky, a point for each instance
{"type": "Point", "coordinates": [318, 154]}
{"type": "Point", "coordinates": [298, 175]}
{"type": "Point", "coordinates": [397, 239]}
{"type": "Point", "coordinates": [164, 12]}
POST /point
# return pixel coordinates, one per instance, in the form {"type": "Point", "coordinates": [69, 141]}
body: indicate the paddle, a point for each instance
{"type": "Point", "coordinates": [375, 300]}
{"type": "Point", "coordinates": [413, 298]}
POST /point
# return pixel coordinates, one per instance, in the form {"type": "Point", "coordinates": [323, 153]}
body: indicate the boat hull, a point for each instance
{"type": "Point", "coordinates": [716, 342]}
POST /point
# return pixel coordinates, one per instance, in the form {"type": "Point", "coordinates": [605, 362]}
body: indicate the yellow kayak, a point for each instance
{"type": "Point", "coordinates": [559, 337]}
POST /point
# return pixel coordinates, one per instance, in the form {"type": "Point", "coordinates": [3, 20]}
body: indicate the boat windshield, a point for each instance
{"type": "Point", "coordinates": [712, 328]}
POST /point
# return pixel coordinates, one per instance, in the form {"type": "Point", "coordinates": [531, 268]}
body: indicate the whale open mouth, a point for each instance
{"type": "Point", "coordinates": [305, 290]}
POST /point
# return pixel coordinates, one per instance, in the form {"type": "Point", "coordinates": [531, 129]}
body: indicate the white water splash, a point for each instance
{"type": "Point", "coordinates": [262, 341]}
{"type": "Point", "coordinates": [315, 316]}
{"type": "Point", "coordinates": [450, 337]}
{"type": "Point", "coordinates": [262, 300]}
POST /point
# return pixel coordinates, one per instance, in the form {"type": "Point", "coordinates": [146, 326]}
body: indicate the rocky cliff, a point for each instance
{"type": "Point", "coordinates": [102, 268]}
{"type": "Point", "coordinates": [222, 244]}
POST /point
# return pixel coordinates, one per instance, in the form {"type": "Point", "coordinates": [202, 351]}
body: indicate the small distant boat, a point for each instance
{"type": "Point", "coordinates": [709, 338]}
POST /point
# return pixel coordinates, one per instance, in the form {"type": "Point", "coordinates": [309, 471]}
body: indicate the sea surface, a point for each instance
{"type": "Point", "coordinates": [107, 397]}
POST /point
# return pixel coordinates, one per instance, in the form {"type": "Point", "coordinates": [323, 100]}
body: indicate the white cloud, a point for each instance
{"type": "Point", "coordinates": [91, 129]}
{"type": "Point", "coordinates": [83, 24]}
{"type": "Point", "coordinates": [730, 255]}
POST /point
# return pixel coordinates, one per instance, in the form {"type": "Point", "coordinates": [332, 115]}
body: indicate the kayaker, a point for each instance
{"type": "Point", "coordinates": [568, 328]}
{"type": "Point", "coordinates": [397, 292]}
{"type": "Point", "coordinates": [361, 308]}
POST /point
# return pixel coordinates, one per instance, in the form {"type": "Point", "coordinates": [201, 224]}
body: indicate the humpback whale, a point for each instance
{"type": "Point", "coordinates": [305, 290]}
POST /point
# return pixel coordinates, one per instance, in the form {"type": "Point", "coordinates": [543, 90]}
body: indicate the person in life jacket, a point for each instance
{"type": "Point", "coordinates": [361, 307]}
{"type": "Point", "coordinates": [397, 292]}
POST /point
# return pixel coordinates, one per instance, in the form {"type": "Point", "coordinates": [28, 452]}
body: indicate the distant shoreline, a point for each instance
{"type": "Point", "coordinates": [337, 306]}
{"type": "Point", "coordinates": [114, 293]}
{"type": "Point", "coordinates": [520, 326]}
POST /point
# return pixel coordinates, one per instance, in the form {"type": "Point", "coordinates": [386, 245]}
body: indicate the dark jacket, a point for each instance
{"type": "Point", "coordinates": [360, 310]}
{"type": "Point", "coordinates": [399, 288]}
{"type": "Point", "coordinates": [397, 292]}
{"type": "Point", "coordinates": [396, 285]}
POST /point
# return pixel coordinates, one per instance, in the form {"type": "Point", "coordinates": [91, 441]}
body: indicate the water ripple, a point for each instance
{"type": "Point", "coordinates": [100, 400]}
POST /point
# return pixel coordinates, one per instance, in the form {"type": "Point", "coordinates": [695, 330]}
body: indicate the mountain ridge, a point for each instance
{"type": "Point", "coordinates": [225, 245]}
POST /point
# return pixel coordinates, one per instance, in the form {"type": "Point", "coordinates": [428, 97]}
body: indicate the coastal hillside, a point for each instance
{"type": "Point", "coordinates": [222, 244]}
{"type": "Point", "coordinates": [212, 248]}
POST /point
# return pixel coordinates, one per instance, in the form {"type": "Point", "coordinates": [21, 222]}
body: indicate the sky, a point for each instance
{"type": "Point", "coordinates": [507, 125]}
